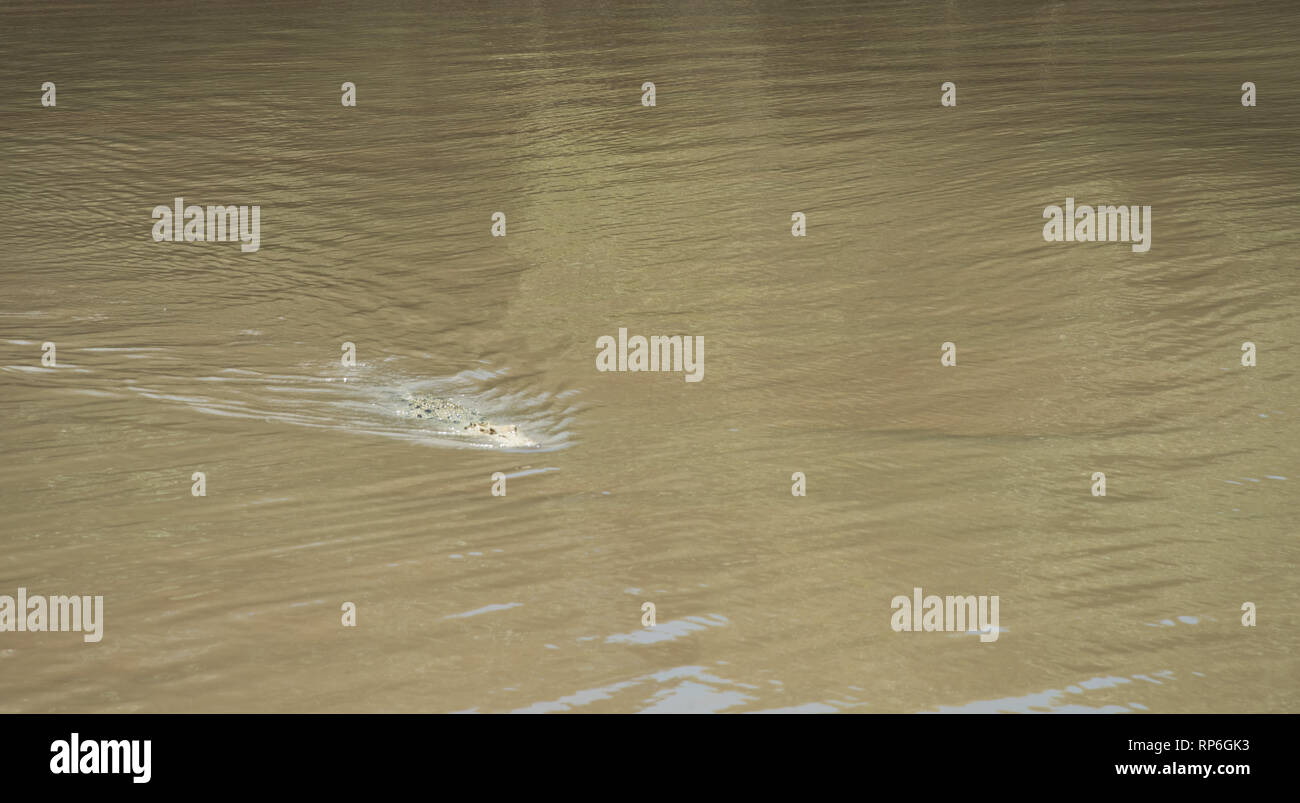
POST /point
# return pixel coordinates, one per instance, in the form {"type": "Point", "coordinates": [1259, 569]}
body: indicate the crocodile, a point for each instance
{"type": "Point", "coordinates": [446, 411]}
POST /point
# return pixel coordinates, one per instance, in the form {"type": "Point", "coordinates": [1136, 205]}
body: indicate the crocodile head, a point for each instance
{"type": "Point", "coordinates": [457, 416]}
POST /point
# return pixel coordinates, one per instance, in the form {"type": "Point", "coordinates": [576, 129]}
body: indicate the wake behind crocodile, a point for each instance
{"type": "Point", "coordinates": [468, 410]}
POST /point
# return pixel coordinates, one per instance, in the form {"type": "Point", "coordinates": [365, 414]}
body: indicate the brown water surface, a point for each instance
{"type": "Point", "coordinates": [822, 355]}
